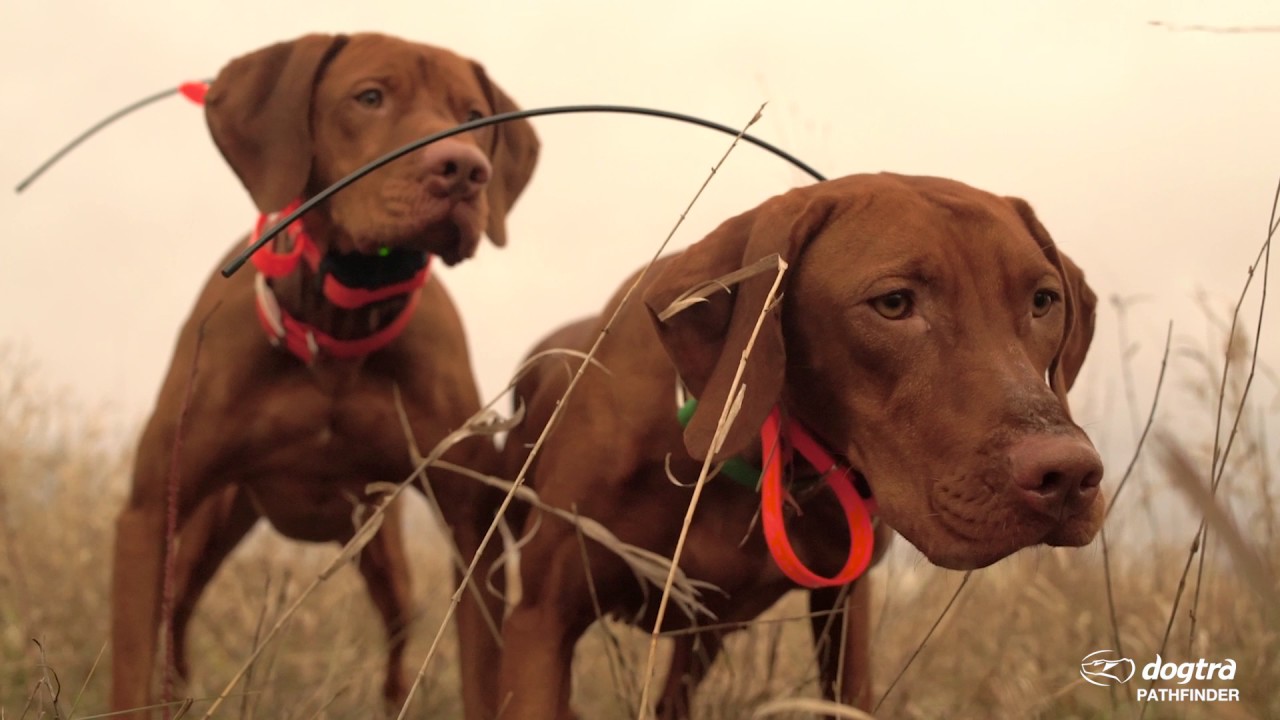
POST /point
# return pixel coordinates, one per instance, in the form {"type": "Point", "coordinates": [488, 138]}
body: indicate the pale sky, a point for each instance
{"type": "Point", "coordinates": [1151, 155]}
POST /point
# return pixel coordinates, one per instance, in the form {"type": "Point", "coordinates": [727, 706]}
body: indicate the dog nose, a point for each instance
{"type": "Point", "coordinates": [455, 169]}
{"type": "Point", "coordinates": [1053, 472]}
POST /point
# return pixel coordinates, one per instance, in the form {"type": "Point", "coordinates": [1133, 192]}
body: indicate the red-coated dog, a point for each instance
{"type": "Point", "coordinates": [927, 333]}
{"type": "Point", "coordinates": [293, 424]}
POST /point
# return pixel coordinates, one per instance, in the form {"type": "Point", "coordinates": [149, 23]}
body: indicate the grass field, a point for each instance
{"type": "Point", "coordinates": [1010, 647]}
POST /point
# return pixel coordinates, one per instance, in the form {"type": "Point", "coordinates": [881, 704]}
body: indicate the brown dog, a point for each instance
{"type": "Point", "coordinates": [295, 435]}
{"type": "Point", "coordinates": [927, 334]}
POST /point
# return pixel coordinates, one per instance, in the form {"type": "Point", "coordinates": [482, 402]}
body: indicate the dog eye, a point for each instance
{"type": "Point", "coordinates": [371, 98]}
{"type": "Point", "coordinates": [1043, 302]}
{"type": "Point", "coordinates": [894, 306]}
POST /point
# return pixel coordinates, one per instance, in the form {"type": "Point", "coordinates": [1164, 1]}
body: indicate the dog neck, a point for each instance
{"type": "Point", "coordinates": [781, 476]}
{"type": "Point", "coordinates": [315, 301]}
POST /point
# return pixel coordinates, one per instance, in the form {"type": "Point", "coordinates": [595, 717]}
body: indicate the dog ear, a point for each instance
{"type": "Point", "coordinates": [705, 341]}
{"type": "Point", "coordinates": [1081, 336]}
{"type": "Point", "coordinates": [259, 113]}
{"type": "Point", "coordinates": [1081, 304]}
{"type": "Point", "coordinates": [514, 154]}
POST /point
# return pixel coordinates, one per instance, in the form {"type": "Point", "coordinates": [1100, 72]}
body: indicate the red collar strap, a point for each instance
{"type": "Point", "coordinates": [305, 341]}
{"type": "Point", "coordinates": [273, 263]}
{"type": "Point", "coordinates": [409, 274]}
{"type": "Point", "coordinates": [838, 476]}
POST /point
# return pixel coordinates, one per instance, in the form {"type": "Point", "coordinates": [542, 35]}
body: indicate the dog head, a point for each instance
{"type": "Point", "coordinates": [928, 332]}
{"type": "Point", "coordinates": [295, 117]}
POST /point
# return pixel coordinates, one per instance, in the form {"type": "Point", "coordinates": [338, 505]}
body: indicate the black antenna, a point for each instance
{"type": "Point", "coordinates": [191, 90]}
{"type": "Point", "coordinates": [337, 187]}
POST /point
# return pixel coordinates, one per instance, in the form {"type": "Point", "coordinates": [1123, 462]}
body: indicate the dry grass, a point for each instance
{"type": "Point", "coordinates": [1010, 647]}
{"type": "Point", "coordinates": [59, 492]}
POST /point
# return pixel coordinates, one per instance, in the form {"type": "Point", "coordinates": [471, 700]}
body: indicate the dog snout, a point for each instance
{"type": "Point", "coordinates": [455, 169]}
{"type": "Point", "coordinates": [1052, 473]}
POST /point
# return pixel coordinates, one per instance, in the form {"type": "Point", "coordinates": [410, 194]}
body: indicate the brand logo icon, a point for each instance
{"type": "Point", "coordinates": [1105, 668]}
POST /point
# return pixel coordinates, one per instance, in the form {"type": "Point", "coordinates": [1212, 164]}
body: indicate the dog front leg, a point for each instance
{"type": "Point", "coordinates": [479, 624]}
{"type": "Point", "coordinates": [856, 678]}
{"type": "Point", "coordinates": [138, 563]}
{"type": "Point", "coordinates": [386, 574]}
{"type": "Point", "coordinates": [842, 642]}
{"type": "Point", "coordinates": [691, 660]}
{"type": "Point", "coordinates": [537, 662]}
{"type": "Point", "coordinates": [135, 604]}
{"type": "Point", "coordinates": [212, 532]}
{"type": "Point", "coordinates": [539, 636]}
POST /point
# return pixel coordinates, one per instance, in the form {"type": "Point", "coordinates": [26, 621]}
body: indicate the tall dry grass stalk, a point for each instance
{"type": "Point", "coordinates": [732, 405]}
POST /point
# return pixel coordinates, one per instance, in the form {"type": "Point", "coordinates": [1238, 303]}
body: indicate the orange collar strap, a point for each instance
{"type": "Point", "coordinates": [838, 476]}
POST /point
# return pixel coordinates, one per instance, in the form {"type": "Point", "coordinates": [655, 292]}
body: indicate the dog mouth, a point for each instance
{"type": "Point", "coordinates": [447, 240]}
{"type": "Point", "coordinates": [946, 538]}
{"type": "Point", "coordinates": [449, 228]}
{"type": "Point", "coordinates": [971, 522]}
{"type": "Point", "coordinates": [1080, 527]}
{"type": "Point", "coordinates": [968, 545]}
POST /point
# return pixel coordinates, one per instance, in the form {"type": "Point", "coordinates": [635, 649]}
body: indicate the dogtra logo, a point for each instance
{"type": "Point", "coordinates": [1105, 668]}
{"type": "Point", "coordinates": [1184, 673]}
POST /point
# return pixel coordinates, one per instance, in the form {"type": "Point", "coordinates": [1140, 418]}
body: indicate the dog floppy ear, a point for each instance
{"type": "Point", "coordinates": [705, 340]}
{"type": "Point", "coordinates": [1081, 336]}
{"type": "Point", "coordinates": [259, 113]}
{"type": "Point", "coordinates": [1081, 305]}
{"type": "Point", "coordinates": [514, 154]}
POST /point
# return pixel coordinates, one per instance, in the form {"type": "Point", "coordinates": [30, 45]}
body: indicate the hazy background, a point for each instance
{"type": "Point", "coordinates": [1151, 154]}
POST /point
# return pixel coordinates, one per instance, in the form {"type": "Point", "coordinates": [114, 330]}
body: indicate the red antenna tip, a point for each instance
{"type": "Point", "coordinates": [194, 91]}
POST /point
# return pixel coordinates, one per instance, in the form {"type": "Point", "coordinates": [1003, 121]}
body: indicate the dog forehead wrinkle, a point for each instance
{"type": "Point", "coordinates": [994, 268]}
{"type": "Point", "coordinates": [872, 246]}
{"type": "Point", "coordinates": [394, 62]}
